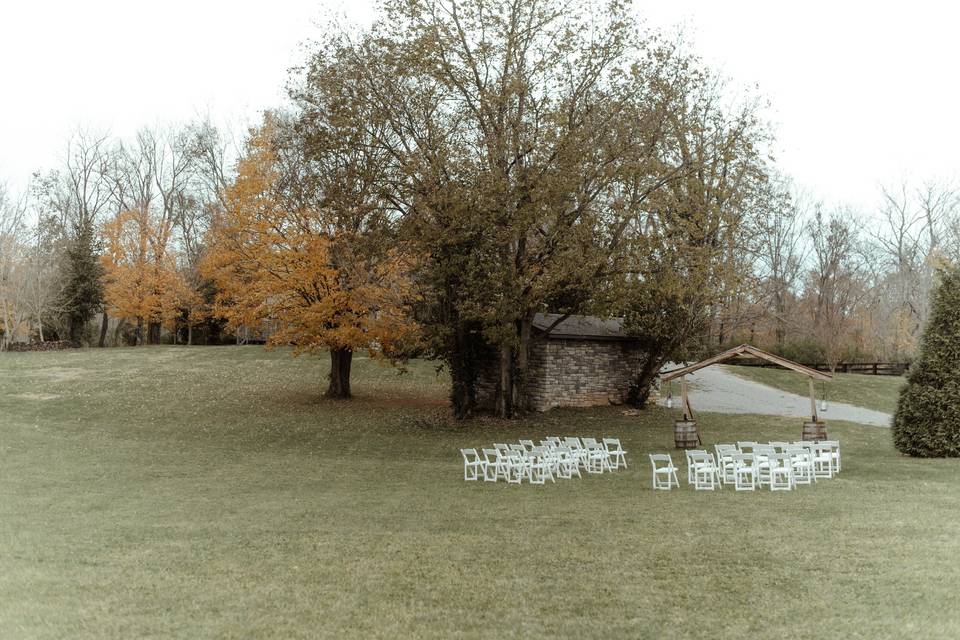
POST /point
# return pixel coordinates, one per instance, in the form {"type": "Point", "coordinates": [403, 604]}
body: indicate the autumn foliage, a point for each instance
{"type": "Point", "coordinates": [142, 280]}
{"type": "Point", "coordinates": [287, 265]}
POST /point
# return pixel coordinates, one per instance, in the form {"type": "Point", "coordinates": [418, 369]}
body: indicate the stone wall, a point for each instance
{"type": "Point", "coordinates": [572, 373]}
{"type": "Point", "coordinates": [582, 373]}
{"type": "Point", "coordinates": [40, 346]}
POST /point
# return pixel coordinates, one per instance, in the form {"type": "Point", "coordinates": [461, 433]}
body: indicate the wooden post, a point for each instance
{"type": "Point", "coordinates": [813, 400]}
{"type": "Point", "coordinates": [688, 410]}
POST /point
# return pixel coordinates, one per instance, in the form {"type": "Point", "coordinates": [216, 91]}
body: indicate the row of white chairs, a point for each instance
{"type": "Point", "coordinates": [551, 459]}
{"type": "Point", "coordinates": [782, 466]}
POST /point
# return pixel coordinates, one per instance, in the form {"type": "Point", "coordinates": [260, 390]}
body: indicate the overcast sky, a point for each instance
{"type": "Point", "coordinates": [861, 94]}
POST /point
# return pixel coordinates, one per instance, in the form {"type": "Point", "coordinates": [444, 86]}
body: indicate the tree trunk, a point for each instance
{"type": "Point", "coordinates": [40, 328]}
{"type": "Point", "coordinates": [521, 390]}
{"type": "Point", "coordinates": [781, 329]}
{"type": "Point", "coordinates": [139, 334]}
{"type": "Point", "coordinates": [463, 371]}
{"type": "Point", "coordinates": [340, 360]}
{"type": "Point", "coordinates": [103, 330]}
{"type": "Point", "coordinates": [189, 333]}
{"type": "Point", "coordinates": [504, 402]}
{"type": "Point", "coordinates": [76, 330]}
{"type": "Point", "coordinates": [6, 327]}
{"type": "Point", "coordinates": [153, 333]}
{"type": "Point", "coordinates": [640, 391]}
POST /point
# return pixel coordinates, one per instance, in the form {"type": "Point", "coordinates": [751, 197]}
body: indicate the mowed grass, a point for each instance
{"type": "Point", "coordinates": [210, 492]}
{"type": "Point", "coordinates": [871, 392]}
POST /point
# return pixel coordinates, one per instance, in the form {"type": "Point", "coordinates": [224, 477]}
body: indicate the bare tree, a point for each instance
{"type": "Point", "coordinates": [12, 267]}
{"type": "Point", "coordinates": [836, 280]}
{"type": "Point", "coordinates": [77, 196]}
{"type": "Point", "coordinates": [917, 224]}
{"type": "Point", "coordinates": [43, 289]}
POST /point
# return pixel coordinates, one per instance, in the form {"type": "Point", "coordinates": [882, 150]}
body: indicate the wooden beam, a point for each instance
{"type": "Point", "coordinates": [720, 357]}
{"type": "Point", "coordinates": [813, 374]}
{"type": "Point", "coordinates": [787, 364]}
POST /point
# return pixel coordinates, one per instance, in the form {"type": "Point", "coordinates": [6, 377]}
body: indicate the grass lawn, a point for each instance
{"type": "Point", "coordinates": [872, 392]}
{"type": "Point", "coordinates": [210, 492]}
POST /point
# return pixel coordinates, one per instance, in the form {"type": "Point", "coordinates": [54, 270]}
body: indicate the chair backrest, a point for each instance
{"type": "Point", "coordinates": [518, 447]}
{"type": "Point", "coordinates": [779, 445]}
{"type": "Point", "coordinates": [469, 455]}
{"type": "Point", "coordinates": [501, 446]}
{"type": "Point", "coordinates": [573, 443]}
{"type": "Point", "coordinates": [725, 449]}
{"type": "Point", "coordinates": [515, 455]}
{"type": "Point", "coordinates": [527, 444]}
{"type": "Point", "coordinates": [589, 442]}
{"type": "Point", "coordinates": [746, 446]}
{"type": "Point", "coordinates": [834, 444]}
{"type": "Point", "coordinates": [660, 457]}
{"type": "Point", "coordinates": [612, 444]}
{"type": "Point", "coordinates": [491, 455]}
{"type": "Point", "coordinates": [744, 459]}
{"type": "Point", "coordinates": [764, 449]}
{"type": "Point", "coordinates": [821, 447]}
{"type": "Point", "coordinates": [779, 460]}
{"type": "Point", "coordinates": [554, 440]}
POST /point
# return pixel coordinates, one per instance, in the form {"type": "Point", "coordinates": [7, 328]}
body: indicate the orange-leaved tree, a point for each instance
{"type": "Point", "coordinates": [142, 280]}
{"type": "Point", "coordinates": [290, 250]}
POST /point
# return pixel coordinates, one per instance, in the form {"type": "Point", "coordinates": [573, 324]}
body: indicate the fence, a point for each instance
{"type": "Point", "coordinates": [868, 368]}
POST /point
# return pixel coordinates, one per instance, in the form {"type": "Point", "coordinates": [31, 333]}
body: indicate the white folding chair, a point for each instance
{"type": "Point", "coordinates": [664, 473]}
{"type": "Point", "coordinates": [472, 464]}
{"type": "Point", "coordinates": [745, 472]}
{"type": "Point", "coordinates": [527, 444]}
{"type": "Point", "coordinates": [615, 453]}
{"type": "Point", "coordinates": [746, 446]}
{"type": "Point", "coordinates": [538, 467]}
{"type": "Point", "coordinates": [762, 453]}
{"type": "Point", "coordinates": [515, 465]}
{"type": "Point", "coordinates": [725, 454]}
{"type": "Point", "coordinates": [706, 475]}
{"type": "Point", "coordinates": [834, 454]}
{"type": "Point", "coordinates": [492, 464]}
{"type": "Point", "coordinates": [801, 459]}
{"type": "Point", "coordinates": [597, 459]}
{"type": "Point", "coordinates": [568, 463]}
{"type": "Point", "coordinates": [578, 450]}
{"type": "Point", "coordinates": [781, 472]}
{"type": "Point", "coordinates": [822, 460]}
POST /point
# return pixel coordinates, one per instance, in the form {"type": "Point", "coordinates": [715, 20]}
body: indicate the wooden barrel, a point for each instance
{"type": "Point", "coordinates": [685, 434]}
{"type": "Point", "coordinates": [815, 431]}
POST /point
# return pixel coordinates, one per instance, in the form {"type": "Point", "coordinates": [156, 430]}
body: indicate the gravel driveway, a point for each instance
{"type": "Point", "coordinates": [720, 391]}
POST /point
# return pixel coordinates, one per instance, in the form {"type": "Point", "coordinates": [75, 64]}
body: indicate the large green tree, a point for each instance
{"type": "Point", "coordinates": [528, 145]}
{"type": "Point", "coordinates": [927, 421]}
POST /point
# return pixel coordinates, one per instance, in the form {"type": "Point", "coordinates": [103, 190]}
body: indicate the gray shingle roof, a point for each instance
{"type": "Point", "coordinates": [583, 327]}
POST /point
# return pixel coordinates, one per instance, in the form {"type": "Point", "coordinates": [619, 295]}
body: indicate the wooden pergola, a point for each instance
{"type": "Point", "coordinates": [742, 350]}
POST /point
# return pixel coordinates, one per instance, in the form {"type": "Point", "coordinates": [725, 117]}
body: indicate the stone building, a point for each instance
{"type": "Point", "coordinates": [582, 361]}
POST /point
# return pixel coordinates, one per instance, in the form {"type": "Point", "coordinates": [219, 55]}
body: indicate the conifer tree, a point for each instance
{"type": "Point", "coordinates": [82, 295]}
{"type": "Point", "coordinates": [927, 420]}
